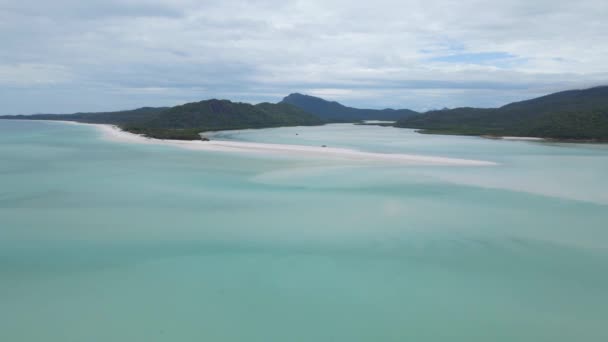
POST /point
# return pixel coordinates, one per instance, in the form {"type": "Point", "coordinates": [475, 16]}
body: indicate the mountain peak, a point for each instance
{"type": "Point", "coordinates": [336, 112]}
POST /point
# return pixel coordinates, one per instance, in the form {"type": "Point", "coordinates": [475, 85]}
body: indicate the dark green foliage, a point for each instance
{"type": "Point", "coordinates": [185, 122]}
{"type": "Point", "coordinates": [164, 133]}
{"type": "Point", "coordinates": [212, 115]}
{"type": "Point", "coordinates": [335, 112]}
{"type": "Point", "coordinates": [384, 124]}
{"type": "Point", "coordinates": [115, 118]}
{"type": "Point", "coordinates": [288, 114]}
{"type": "Point", "coordinates": [576, 115]}
{"type": "Point", "coordinates": [569, 115]}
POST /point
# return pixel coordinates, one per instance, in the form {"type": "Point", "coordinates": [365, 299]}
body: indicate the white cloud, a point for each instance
{"type": "Point", "coordinates": [381, 53]}
{"type": "Point", "coordinates": [33, 74]}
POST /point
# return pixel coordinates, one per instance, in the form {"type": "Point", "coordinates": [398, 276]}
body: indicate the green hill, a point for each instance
{"type": "Point", "coordinates": [331, 111]}
{"type": "Point", "coordinates": [568, 115]}
{"type": "Point", "coordinates": [574, 114]}
{"type": "Point", "coordinates": [188, 120]}
{"type": "Point", "coordinates": [115, 118]}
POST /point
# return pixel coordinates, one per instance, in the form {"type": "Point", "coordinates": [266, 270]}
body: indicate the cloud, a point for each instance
{"type": "Point", "coordinates": [498, 59]}
{"type": "Point", "coordinates": [114, 54]}
{"type": "Point", "coordinates": [24, 75]}
{"type": "Point", "coordinates": [77, 10]}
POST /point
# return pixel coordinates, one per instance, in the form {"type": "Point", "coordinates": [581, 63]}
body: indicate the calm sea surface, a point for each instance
{"type": "Point", "coordinates": [106, 241]}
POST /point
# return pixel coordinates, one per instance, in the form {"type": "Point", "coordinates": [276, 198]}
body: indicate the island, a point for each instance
{"type": "Point", "coordinates": [187, 121]}
{"type": "Point", "coordinates": [574, 115]}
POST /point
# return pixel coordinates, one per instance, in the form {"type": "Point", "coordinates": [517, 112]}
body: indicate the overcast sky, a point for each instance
{"type": "Point", "coordinates": [92, 55]}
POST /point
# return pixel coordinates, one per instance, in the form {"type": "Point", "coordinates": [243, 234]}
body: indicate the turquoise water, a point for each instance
{"type": "Point", "coordinates": [106, 241]}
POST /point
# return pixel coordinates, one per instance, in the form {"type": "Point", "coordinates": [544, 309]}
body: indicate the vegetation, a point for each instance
{"type": "Point", "coordinates": [163, 133]}
{"type": "Point", "coordinates": [382, 124]}
{"type": "Point", "coordinates": [185, 122]}
{"type": "Point", "coordinates": [115, 118]}
{"type": "Point", "coordinates": [569, 115]}
{"type": "Point", "coordinates": [223, 114]}
{"type": "Point", "coordinates": [330, 111]}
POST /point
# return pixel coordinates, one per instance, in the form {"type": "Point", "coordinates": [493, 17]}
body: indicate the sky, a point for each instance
{"type": "Point", "coordinates": [65, 56]}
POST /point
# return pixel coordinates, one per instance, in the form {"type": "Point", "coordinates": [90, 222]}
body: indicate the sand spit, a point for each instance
{"type": "Point", "coordinates": [115, 134]}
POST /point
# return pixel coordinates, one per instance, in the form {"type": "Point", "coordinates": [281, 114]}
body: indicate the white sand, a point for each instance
{"type": "Point", "coordinates": [523, 138]}
{"type": "Point", "coordinates": [499, 137]}
{"type": "Point", "coordinates": [377, 121]}
{"type": "Point", "coordinates": [115, 134]}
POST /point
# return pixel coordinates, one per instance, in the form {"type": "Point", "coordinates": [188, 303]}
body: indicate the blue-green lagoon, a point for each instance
{"type": "Point", "coordinates": [114, 241]}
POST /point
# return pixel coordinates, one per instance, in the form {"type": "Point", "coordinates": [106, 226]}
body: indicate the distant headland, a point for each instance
{"type": "Point", "coordinates": [575, 115]}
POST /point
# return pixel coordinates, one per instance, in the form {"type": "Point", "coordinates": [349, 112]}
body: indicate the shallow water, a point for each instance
{"type": "Point", "coordinates": [106, 241]}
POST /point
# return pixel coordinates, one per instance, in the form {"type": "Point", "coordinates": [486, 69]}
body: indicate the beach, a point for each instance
{"type": "Point", "coordinates": [115, 134]}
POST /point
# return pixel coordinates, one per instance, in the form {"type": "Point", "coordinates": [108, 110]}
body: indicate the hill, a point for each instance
{"type": "Point", "coordinates": [115, 118]}
{"type": "Point", "coordinates": [332, 111]}
{"type": "Point", "coordinates": [186, 121]}
{"type": "Point", "coordinates": [574, 114]}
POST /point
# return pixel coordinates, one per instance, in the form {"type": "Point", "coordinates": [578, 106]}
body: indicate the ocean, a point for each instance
{"type": "Point", "coordinates": [111, 241]}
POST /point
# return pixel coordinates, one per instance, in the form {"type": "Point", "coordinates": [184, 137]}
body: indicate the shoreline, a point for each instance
{"type": "Point", "coordinates": [548, 140]}
{"type": "Point", "coordinates": [115, 134]}
{"type": "Point", "coordinates": [513, 138]}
